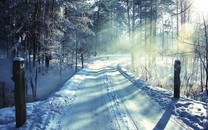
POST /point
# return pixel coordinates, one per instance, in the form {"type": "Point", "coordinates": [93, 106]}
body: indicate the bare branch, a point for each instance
{"type": "Point", "coordinates": [189, 43]}
{"type": "Point", "coordinates": [183, 10]}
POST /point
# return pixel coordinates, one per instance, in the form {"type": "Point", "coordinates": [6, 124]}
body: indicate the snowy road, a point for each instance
{"type": "Point", "coordinates": [98, 105]}
{"type": "Point", "coordinates": [104, 97]}
{"type": "Point", "coordinates": [107, 100]}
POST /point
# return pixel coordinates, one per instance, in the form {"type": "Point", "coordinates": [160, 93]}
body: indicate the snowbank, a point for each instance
{"type": "Point", "coordinates": [38, 113]}
{"type": "Point", "coordinates": [191, 112]}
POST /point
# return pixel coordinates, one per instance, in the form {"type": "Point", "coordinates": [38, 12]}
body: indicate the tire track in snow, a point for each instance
{"type": "Point", "coordinates": [117, 107]}
{"type": "Point", "coordinates": [110, 104]}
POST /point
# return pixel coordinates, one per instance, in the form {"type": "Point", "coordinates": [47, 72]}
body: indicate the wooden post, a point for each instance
{"type": "Point", "coordinates": [177, 82]}
{"type": "Point", "coordinates": [19, 91]}
{"type": "Point", "coordinates": [82, 59]}
{"type": "Point", "coordinates": [2, 94]}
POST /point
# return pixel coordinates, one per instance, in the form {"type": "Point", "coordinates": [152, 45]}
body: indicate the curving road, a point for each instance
{"type": "Point", "coordinates": [107, 100]}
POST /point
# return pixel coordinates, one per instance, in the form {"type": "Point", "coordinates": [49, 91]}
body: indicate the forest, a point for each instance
{"type": "Point", "coordinates": [64, 33]}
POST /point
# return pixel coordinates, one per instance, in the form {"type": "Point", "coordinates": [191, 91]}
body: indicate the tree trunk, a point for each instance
{"type": "Point", "coordinates": [145, 28]}
{"type": "Point", "coordinates": [206, 39]}
{"type": "Point", "coordinates": [154, 39]}
{"type": "Point", "coordinates": [97, 31]}
{"type": "Point", "coordinates": [151, 35]}
{"type": "Point", "coordinates": [132, 39]}
{"type": "Point", "coordinates": [76, 53]}
{"type": "Point", "coordinates": [36, 30]}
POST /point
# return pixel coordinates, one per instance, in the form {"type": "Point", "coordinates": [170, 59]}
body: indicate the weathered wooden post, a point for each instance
{"type": "Point", "coordinates": [19, 91]}
{"type": "Point", "coordinates": [177, 82]}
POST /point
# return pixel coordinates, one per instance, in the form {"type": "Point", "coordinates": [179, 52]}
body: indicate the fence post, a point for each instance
{"type": "Point", "coordinates": [19, 91]}
{"type": "Point", "coordinates": [177, 82]}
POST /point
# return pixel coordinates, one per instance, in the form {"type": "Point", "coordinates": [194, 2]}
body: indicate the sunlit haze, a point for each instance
{"type": "Point", "coordinates": [201, 6]}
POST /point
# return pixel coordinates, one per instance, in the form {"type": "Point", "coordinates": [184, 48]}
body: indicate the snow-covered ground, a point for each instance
{"type": "Point", "coordinates": [106, 95]}
{"type": "Point", "coordinates": [5, 76]}
{"type": "Point", "coordinates": [47, 83]}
